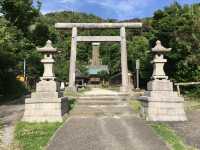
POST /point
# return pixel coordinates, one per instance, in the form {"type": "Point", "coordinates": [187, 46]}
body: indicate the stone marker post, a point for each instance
{"type": "Point", "coordinates": [160, 102]}
{"type": "Point", "coordinates": [46, 104]}
{"type": "Point", "coordinates": [95, 54]}
{"type": "Point", "coordinates": [137, 74]}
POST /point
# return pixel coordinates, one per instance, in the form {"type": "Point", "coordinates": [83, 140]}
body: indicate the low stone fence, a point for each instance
{"type": "Point", "coordinates": [184, 84]}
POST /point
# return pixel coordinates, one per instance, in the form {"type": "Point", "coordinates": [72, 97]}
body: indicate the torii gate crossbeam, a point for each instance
{"type": "Point", "coordinates": [76, 38]}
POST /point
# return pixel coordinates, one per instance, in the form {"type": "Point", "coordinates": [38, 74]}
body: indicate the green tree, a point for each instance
{"type": "Point", "coordinates": [8, 60]}
{"type": "Point", "coordinates": [20, 13]}
{"type": "Point", "coordinates": [138, 48]}
{"type": "Point", "coordinates": [176, 26]}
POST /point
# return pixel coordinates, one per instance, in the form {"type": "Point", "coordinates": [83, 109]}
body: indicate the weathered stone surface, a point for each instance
{"type": "Point", "coordinates": [101, 102]}
{"type": "Point", "coordinates": [124, 65]}
{"type": "Point", "coordinates": [45, 112]}
{"type": "Point", "coordinates": [159, 61]}
{"type": "Point", "coordinates": [75, 38]}
{"type": "Point", "coordinates": [130, 82]}
{"type": "Point", "coordinates": [97, 25]}
{"type": "Point", "coordinates": [95, 54]}
{"type": "Point", "coordinates": [46, 104]}
{"type": "Point", "coordinates": [72, 68]}
{"type": "Point", "coordinates": [162, 105]}
{"type": "Point", "coordinates": [160, 85]}
{"type": "Point", "coordinates": [160, 102]}
{"type": "Point", "coordinates": [106, 133]}
{"type": "Point", "coordinates": [46, 86]}
{"type": "Point", "coordinates": [98, 38]}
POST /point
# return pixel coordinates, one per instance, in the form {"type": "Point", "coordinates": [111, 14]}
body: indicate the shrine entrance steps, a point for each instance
{"type": "Point", "coordinates": [102, 120]}
{"type": "Point", "coordinates": [100, 102]}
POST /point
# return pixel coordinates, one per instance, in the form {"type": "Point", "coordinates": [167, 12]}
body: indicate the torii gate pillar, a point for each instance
{"type": "Point", "coordinates": [124, 66]}
{"type": "Point", "coordinates": [76, 38]}
{"type": "Point", "coordinates": [72, 69]}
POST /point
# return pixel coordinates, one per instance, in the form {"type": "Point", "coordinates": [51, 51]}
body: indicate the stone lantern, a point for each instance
{"type": "Point", "coordinates": [159, 61]}
{"type": "Point", "coordinates": [160, 102]}
{"type": "Point", "coordinates": [48, 61]}
{"type": "Point", "coordinates": [47, 103]}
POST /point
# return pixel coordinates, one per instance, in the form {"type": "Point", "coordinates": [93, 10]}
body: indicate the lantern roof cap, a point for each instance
{"type": "Point", "coordinates": [47, 48]}
{"type": "Point", "coordinates": [160, 48]}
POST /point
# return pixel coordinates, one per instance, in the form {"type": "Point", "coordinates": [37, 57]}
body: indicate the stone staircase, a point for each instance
{"type": "Point", "coordinates": [102, 105]}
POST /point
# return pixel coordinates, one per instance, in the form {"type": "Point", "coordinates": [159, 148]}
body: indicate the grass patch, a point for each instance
{"type": "Point", "coordinates": [135, 105]}
{"type": "Point", "coordinates": [34, 136]}
{"type": "Point", "coordinates": [82, 90]}
{"type": "Point", "coordinates": [71, 103]}
{"type": "Point", "coordinates": [113, 88]}
{"type": "Point", "coordinates": [170, 137]}
{"type": "Point", "coordinates": [71, 94]}
{"type": "Point", "coordinates": [74, 94]}
{"type": "Point", "coordinates": [192, 103]}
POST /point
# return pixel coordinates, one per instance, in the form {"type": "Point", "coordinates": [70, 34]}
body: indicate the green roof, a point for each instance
{"type": "Point", "coordinates": [94, 70]}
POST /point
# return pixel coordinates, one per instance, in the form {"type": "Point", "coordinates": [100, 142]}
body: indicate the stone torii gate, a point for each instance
{"type": "Point", "coordinates": [76, 38]}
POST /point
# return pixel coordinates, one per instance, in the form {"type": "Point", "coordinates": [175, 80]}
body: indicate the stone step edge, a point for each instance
{"type": "Point", "coordinates": [103, 106]}
{"type": "Point", "coordinates": [45, 100]}
{"type": "Point", "coordinates": [122, 94]}
{"type": "Point", "coordinates": [164, 100]}
{"type": "Point", "coordinates": [102, 97]}
{"type": "Point", "coordinates": [99, 104]}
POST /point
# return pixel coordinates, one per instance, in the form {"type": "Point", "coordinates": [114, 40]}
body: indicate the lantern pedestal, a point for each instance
{"type": "Point", "coordinates": [47, 104]}
{"type": "Point", "coordinates": [160, 102]}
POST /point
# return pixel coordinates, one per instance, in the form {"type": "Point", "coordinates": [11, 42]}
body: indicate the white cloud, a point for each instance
{"type": "Point", "coordinates": [123, 8]}
{"type": "Point", "coordinates": [68, 1]}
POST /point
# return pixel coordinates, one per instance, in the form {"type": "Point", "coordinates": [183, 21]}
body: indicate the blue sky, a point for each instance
{"type": "Point", "coordinates": [115, 9]}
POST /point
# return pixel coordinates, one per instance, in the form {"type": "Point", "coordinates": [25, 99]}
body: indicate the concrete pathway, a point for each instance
{"type": "Point", "coordinates": [106, 133]}
{"type": "Point", "coordinates": [189, 130]}
{"type": "Point", "coordinates": [9, 115]}
{"type": "Point", "coordinates": [99, 91]}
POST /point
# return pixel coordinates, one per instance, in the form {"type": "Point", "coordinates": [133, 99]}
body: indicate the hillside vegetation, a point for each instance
{"type": "Point", "coordinates": [23, 28]}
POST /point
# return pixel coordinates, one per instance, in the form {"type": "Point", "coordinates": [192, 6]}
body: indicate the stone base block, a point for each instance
{"type": "Point", "coordinates": [47, 86]}
{"type": "Point", "coordinates": [71, 89]}
{"type": "Point", "coordinates": [160, 85]}
{"type": "Point", "coordinates": [163, 110]}
{"type": "Point", "coordinates": [125, 89]}
{"type": "Point", "coordinates": [45, 111]}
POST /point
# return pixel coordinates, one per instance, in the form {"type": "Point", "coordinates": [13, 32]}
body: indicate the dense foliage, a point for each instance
{"type": "Point", "coordinates": [178, 27]}
{"type": "Point", "coordinates": [23, 28]}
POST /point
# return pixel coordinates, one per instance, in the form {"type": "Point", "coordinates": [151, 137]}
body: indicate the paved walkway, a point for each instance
{"type": "Point", "coordinates": [106, 133]}
{"type": "Point", "coordinates": [9, 115]}
{"type": "Point", "coordinates": [189, 130]}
